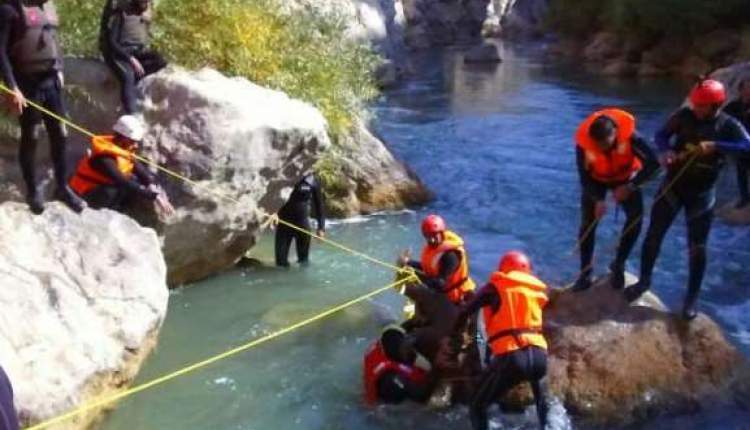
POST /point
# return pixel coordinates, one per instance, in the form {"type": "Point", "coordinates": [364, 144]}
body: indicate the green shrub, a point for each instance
{"type": "Point", "coordinates": [79, 32]}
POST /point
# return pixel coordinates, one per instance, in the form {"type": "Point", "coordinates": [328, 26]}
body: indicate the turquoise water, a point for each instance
{"type": "Point", "coordinates": [495, 145]}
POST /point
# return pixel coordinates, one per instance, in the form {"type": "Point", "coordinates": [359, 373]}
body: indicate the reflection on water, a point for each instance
{"type": "Point", "coordinates": [496, 146]}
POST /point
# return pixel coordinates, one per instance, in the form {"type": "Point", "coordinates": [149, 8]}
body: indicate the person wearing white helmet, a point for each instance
{"type": "Point", "coordinates": [109, 176]}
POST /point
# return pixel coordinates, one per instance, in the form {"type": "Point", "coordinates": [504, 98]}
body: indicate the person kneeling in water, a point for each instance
{"type": "Point", "coordinates": [513, 301]}
{"type": "Point", "coordinates": [109, 176]}
{"type": "Point", "coordinates": [395, 372]}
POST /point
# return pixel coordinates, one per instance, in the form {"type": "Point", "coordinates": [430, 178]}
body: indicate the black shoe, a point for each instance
{"type": "Point", "coordinates": [582, 284]}
{"type": "Point", "coordinates": [689, 313]}
{"type": "Point", "coordinates": [635, 292]}
{"type": "Point", "coordinates": [617, 277]}
{"type": "Point", "coordinates": [36, 203]}
{"type": "Point", "coordinates": [67, 196]}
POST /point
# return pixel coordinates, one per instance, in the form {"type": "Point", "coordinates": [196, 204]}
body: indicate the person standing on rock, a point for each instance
{"type": "Point", "coordinates": [305, 196]}
{"type": "Point", "coordinates": [740, 109]}
{"type": "Point", "coordinates": [124, 41]}
{"type": "Point", "coordinates": [512, 303]}
{"type": "Point", "coordinates": [31, 62]}
{"type": "Point", "coordinates": [8, 415]}
{"type": "Point", "coordinates": [611, 156]}
{"type": "Point", "coordinates": [109, 176]}
{"type": "Point", "coordinates": [694, 144]}
{"type": "Point", "coordinates": [444, 264]}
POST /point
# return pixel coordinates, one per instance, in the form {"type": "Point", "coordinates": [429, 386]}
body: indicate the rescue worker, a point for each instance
{"type": "Point", "coordinates": [694, 143]}
{"type": "Point", "coordinates": [394, 371]}
{"type": "Point", "coordinates": [740, 109]}
{"type": "Point", "coordinates": [8, 415]}
{"type": "Point", "coordinates": [124, 41]}
{"type": "Point", "coordinates": [444, 264]}
{"type": "Point", "coordinates": [512, 304]}
{"type": "Point", "coordinates": [31, 62]}
{"type": "Point", "coordinates": [306, 196]}
{"type": "Point", "coordinates": [611, 156]}
{"type": "Point", "coordinates": [109, 176]}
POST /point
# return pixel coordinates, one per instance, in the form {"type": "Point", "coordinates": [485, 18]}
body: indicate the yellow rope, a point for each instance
{"type": "Point", "coordinates": [96, 404]}
{"type": "Point", "coordinates": [211, 190]}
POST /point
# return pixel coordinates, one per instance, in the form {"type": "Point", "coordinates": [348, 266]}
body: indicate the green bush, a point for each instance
{"type": "Point", "coordinates": [304, 54]}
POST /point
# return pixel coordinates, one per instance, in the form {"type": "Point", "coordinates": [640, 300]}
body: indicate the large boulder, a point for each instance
{"type": "Point", "coordinates": [443, 22]}
{"type": "Point", "coordinates": [732, 76]}
{"type": "Point", "coordinates": [613, 363]}
{"type": "Point", "coordinates": [362, 176]}
{"type": "Point", "coordinates": [82, 301]}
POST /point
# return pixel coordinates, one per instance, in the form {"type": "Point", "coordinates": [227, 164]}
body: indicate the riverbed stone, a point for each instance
{"type": "Point", "coordinates": [730, 214]}
{"type": "Point", "coordinates": [484, 53]}
{"type": "Point", "coordinates": [82, 300]}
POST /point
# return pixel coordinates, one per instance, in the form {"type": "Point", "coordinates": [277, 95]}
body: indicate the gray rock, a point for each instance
{"type": "Point", "coordinates": [731, 215]}
{"type": "Point", "coordinates": [387, 74]}
{"type": "Point", "coordinates": [604, 46]}
{"type": "Point", "coordinates": [82, 300]}
{"type": "Point", "coordinates": [485, 53]}
{"type": "Point", "coordinates": [516, 19]}
{"type": "Point", "coordinates": [732, 76]}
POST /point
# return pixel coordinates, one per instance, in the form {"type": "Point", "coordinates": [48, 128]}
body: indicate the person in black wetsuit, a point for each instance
{"type": "Point", "coordinates": [8, 415]}
{"type": "Point", "coordinates": [694, 143]}
{"type": "Point", "coordinates": [740, 109]}
{"type": "Point", "coordinates": [513, 303]}
{"type": "Point", "coordinates": [296, 210]}
{"type": "Point", "coordinates": [611, 156]}
{"type": "Point", "coordinates": [31, 64]}
{"type": "Point", "coordinates": [109, 176]}
{"type": "Point", "coordinates": [124, 42]}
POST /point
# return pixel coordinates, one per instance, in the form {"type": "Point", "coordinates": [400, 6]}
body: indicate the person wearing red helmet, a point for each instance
{"type": "Point", "coordinates": [444, 264]}
{"type": "Point", "coordinates": [694, 144]}
{"type": "Point", "coordinates": [512, 302]}
{"type": "Point", "coordinates": [611, 156]}
{"type": "Point", "coordinates": [740, 109]}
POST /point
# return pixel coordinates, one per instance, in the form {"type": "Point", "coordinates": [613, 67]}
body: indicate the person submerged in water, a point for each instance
{"type": "Point", "coordinates": [305, 196]}
{"type": "Point", "coordinates": [694, 143]}
{"type": "Point", "coordinates": [395, 372]}
{"type": "Point", "coordinates": [611, 156]}
{"type": "Point", "coordinates": [740, 109]}
{"type": "Point", "coordinates": [512, 303]}
{"type": "Point", "coordinates": [109, 176]}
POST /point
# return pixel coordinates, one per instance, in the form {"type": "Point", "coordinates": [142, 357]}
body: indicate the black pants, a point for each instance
{"type": "Point", "coordinates": [284, 237]}
{"type": "Point", "coordinates": [8, 416]}
{"type": "Point", "coordinates": [45, 90]}
{"type": "Point", "coordinates": [505, 372]}
{"type": "Point", "coordinates": [633, 207]}
{"type": "Point", "coordinates": [699, 213]}
{"type": "Point", "coordinates": [743, 165]}
{"type": "Point", "coordinates": [109, 197]}
{"type": "Point", "coordinates": [151, 61]}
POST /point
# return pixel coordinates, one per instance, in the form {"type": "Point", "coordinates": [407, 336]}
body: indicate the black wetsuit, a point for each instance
{"type": "Point", "coordinates": [44, 89]}
{"type": "Point", "coordinates": [504, 371]}
{"type": "Point", "coordinates": [117, 57]}
{"type": "Point", "coordinates": [120, 193]}
{"type": "Point", "coordinates": [394, 388]}
{"type": "Point", "coordinates": [694, 190]}
{"type": "Point", "coordinates": [741, 111]}
{"type": "Point", "coordinates": [449, 262]}
{"type": "Point", "coordinates": [297, 212]}
{"type": "Point", "coordinates": [433, 321]}
{"type": "Point", "coordinates": [8, 415]}
{"type": "Point", "coordinates": [594, 191]}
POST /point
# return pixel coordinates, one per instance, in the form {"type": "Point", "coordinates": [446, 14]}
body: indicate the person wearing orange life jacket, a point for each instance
{"type": "Point", "coordinates": [512, 304]}
{"type": "Point", "coordinates": [444, 264]}
{"type": "Point", "coordinates": [109, 176]}
{"type": "Point", "coordinates": [394, 371]}
{"type": "Point", "coordinates": [611, 156]}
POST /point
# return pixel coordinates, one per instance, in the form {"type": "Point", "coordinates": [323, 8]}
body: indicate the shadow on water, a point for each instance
{"type": "Point", "coordinates": [496, 147]}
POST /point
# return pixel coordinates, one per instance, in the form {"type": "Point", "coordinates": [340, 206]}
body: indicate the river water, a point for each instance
{"type": "Point", "coordinates": [495, 144]}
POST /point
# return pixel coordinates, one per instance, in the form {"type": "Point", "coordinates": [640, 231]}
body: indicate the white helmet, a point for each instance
{"type": "Point", "coordinates": [130, 127]}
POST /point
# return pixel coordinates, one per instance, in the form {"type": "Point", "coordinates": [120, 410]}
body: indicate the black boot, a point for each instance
{"type": "Point", "coordinates": [617, 276]}
{"type": "Point", "coordinates": [35, 201]}
{"type": "Point", "coordinates": [67, 196]}
{"type": "Point", "coordinates": [635, 292]}
{"type": "Point", "coordinates": [582, 284]}
{"type": "Point", "coordinates": [689, 311]}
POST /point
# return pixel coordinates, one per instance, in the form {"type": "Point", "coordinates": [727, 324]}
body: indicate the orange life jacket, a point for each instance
{"type": "Point", "coordinates": [518, 322]}
{"type": "Point", "coordinates": [87, 178]}
{"type": "Point", "coordinates": [377, 363]}
{"type": "Point", "coordinates": [459, 283]}
{"type": "Point", "coordinates": [617, 165]}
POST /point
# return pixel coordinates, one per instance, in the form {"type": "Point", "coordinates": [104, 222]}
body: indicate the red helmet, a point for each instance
{"type": "Point", "coordinates": [515, 261]}
{"type": "Point", "coordinates": [708, 92]}
{"type": "Point", "coordinates": [433, 224]}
